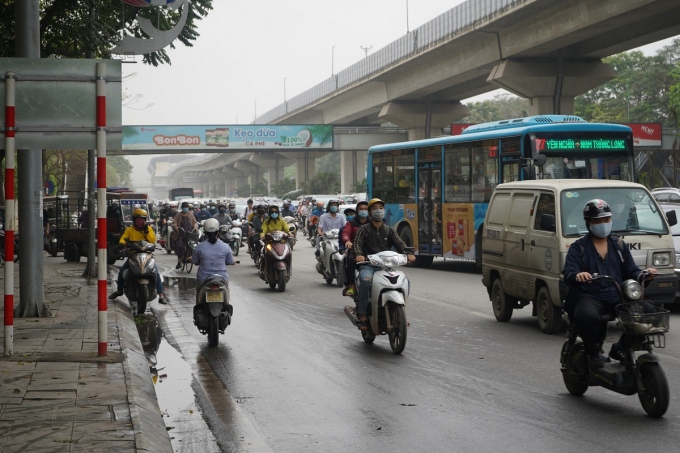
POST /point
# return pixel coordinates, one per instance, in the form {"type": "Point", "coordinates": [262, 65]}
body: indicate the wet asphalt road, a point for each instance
{"type": "Point", "coordinates": [293, 374]}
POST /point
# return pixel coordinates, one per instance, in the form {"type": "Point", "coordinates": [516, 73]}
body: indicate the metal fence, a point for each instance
{"type": "Point", "coordinates": [442, 28]}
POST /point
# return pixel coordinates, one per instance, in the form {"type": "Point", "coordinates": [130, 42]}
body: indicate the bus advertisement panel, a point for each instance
{"type": "Point", "coordinates": [436, 191]}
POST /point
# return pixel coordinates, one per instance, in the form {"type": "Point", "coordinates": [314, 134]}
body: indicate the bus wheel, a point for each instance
{"type": "Point", "coordinates": [406, 235]}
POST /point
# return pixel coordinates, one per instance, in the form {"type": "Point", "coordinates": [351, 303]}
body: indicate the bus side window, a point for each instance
{"type": "Point", "coordinates": [546, 205]}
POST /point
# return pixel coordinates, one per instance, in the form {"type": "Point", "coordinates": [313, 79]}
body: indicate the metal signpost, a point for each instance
{"type": "Point", "coordinates": [62, 105]}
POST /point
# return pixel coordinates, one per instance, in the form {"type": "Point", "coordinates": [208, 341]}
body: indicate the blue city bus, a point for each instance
{"type": "Point", "coordinates": [436, 191]}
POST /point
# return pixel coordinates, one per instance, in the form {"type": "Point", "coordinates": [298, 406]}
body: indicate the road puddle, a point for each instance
{"type": "Point", "coordinates": [180, 282]}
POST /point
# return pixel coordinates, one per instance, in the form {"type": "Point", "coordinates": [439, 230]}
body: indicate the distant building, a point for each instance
{"type": "Point", "coordinates": [159, 167]}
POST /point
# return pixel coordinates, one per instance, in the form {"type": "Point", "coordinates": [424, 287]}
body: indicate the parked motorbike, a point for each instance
{"type": "Point", "coordinates": [213, 312]}
{"type": "Point", "coordinates": [330, 261]}
{"type": "Point", "coordinates": [386, 309]}
{"type": "Point", "coordinates": [643, 327]}
{"type": "Point", "coordinates": [228, 238]}
{"type": "Point", "coordinates": [140, 278]}
{"type": "Point", "coordinates": [276, 267]}
{"type": "Point", "coordinates": [292, 231]}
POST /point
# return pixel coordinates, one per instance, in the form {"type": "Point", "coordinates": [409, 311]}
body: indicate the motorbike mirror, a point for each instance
{"type": "Point", "coordinates": [291, 228]}
{"type": "Point", "coordinates": [672, 218]}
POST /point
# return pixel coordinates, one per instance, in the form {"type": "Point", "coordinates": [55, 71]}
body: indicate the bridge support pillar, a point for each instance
{"type": "Point", "coordinates": [352, 169]}
{"type": "Point", "coordinates": [551, 86]}
{"type": "Point", "coordinates": [304, 170]}
{"type": "Point", "coordinates": [274, 175]}
{"type": "Point", "coordinates": [423, 117]}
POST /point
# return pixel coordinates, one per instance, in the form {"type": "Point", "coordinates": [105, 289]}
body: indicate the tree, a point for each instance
{"type": "Point", "coordinates": [329, 163]}
{"type": "Point", "coordinates": [68, 30]}
{"type": "Point", "coordinates": [501, 107]}
{"type": "Point", "coordinates": [283, 186]}
{"type": "Point", "coordinates": [118, 172]}
{"type": "Point", "coordinates": [323, 183]}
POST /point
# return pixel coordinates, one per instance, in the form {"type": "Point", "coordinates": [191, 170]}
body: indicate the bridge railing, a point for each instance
{"type": "Point", "coordinates": [442, 27]}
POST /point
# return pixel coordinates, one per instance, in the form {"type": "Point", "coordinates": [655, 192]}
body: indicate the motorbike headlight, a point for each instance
{"type": "Point", "coordinates": [151, 263]}
{"type": "Point", "coordinates": [661, 259]}
{"type": "Point", "coordinates": [632, 289]}
{"type": "Point", "coordinates": [391, 261]}
{"type": "Point", "coordinates": [269, 247]}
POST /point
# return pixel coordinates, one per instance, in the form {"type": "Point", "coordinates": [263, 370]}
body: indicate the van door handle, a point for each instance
{"type": "Point", "coordinates": [522, 242]}
{"type": "Point", "coordinates": [533, 243]}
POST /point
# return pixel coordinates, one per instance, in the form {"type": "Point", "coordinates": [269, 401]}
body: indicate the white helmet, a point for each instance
{"type": "Point", "coordinates": [211, 226]}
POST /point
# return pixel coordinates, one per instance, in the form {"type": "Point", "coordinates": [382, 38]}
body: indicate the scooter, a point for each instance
{"type": "Point", "coordinates": [213, 312]}
{"type": "Point", "coordinates": [386, 309]}
{"type": "Point", "coordinates": [643, 327]}
{"type": "Point", "coordinates": [256, 247]}
{"type": "Point", "coordinates": [276, 268]}
{"type": "Point", "coordinates": [167, 240]}
{"type": "Point", "coordinates": [140, 278]}
{"type": "Point", "coordinates": [292, 231]}
{"type": "Point", "coordinates": [236, 231]}
{"type": "Point", "coordinates": [330, 261]}
{"type": "Point", "coordinates": [228, 238]}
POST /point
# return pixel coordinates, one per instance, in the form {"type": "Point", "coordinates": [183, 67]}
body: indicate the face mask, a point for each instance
{"type": "Point", "coordinates": [185, 209]}
{"type": "Point", "coordinates": [140, 223]}
{"type": "Point", "coordinates": [232, 210]}
{"type": "Point", "coordinates": [203, 209]}
{"type": "Point", "coordinates": [350, 217]}
{"type": "Point", "coordinates": [222, 211]}
{"type": "Point", "coordinates": [363, 214]}
{"type": "Point", "coordinates": [212, 207]}
{"type": "Point", "coordinates": [274, 215]}
{"type": "Point", "coordinates": [260, 211]}
{"type": "Point", "coordinates": [601, 230]}
{"type": "Point", "coordinates": [378, 215]}
{"type": "Point", "coordinates": [334, 209]}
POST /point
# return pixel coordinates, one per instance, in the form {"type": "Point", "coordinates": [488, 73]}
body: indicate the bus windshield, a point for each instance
{"type": "Point", "coordinates": [633, 211]}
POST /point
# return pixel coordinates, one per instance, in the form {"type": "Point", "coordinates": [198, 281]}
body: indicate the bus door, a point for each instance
{"type": "Point", "coordinates": [510, 166]}
{"type": "Point", "coordinates": [430, 208]}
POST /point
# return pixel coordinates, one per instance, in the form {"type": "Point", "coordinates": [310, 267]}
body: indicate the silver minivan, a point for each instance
{"type": "Point", "coordinates": [530, 225]}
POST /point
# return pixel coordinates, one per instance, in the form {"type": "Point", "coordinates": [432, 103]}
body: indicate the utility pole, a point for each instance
{"type": "Point", "coordinates": [333, 60]}
{"type": "Point", "coordinates": [31, 278]}
{"type": "Point", "coordinates": [366, 49]}
{"type": "Point", "coordinates": [91, 268]}
{"type": "Point", "coordinates": [284, 90]}
{"type": "Point", "coordinates": [407, 29]}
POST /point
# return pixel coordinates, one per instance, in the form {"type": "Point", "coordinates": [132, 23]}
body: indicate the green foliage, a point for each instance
{"type": "Point", "coordinates": [67, 29]}
{"type": "Point", "coordinates": [259, 189]}
{"type": "Point", "coordinates": [501, 107]}
{"type": "Point", "coordinates": [674, 96]}
{"type": "Point", "coordinates": [283, 186]}
{"type": "Point", "coordinates": [360, 186]}
{"type": "Point", "coordinates": [330, 163]}
{"type": "Point", "coordinates": [323, 183]}
{"type": "Point", "coordinates": [118, 172]}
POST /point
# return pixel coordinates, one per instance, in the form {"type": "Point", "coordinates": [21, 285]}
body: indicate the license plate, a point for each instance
{"type": "Point", "coordinates": [214, 296]}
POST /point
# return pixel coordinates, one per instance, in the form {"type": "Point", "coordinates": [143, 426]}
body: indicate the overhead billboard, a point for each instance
{"type": "Point", "coordinates": [227, 137]}
{"type": "Point", "coordinates": [646, 135]}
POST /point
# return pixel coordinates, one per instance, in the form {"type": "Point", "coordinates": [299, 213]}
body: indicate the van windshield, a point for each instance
{"type": "Point", "coordinates": [634, 212]}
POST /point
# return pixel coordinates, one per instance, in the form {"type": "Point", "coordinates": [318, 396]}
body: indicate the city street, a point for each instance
{"type": "Point", "coordinates": [293, 374]}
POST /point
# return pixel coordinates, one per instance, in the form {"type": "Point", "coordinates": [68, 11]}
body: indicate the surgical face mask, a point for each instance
{"type": "Point", "coordinates": [274, 215]}
{"type": "Point", "coordinates": [378, 215]}
{"type": "Point", "coordinates": [362, 214]}
{"type": "Point", "coordinates": [185, 209]}
{"type": "Point", "coordinates": [212, 207]}
{"type": "Point", "coordinates": [350, 217]}
{"type": "Point", "coordinates": [260, 211]}
{"type": "Point", "coordinates": [601, 230]}
{"type": "Point", "coordinates": [203, 209]}
{"type": "Point", "coordinates": [232, 210]}
{"type": "Point", "coordinates": [334, 209]}
{"type": "Point", "coordinates": [222, 211]}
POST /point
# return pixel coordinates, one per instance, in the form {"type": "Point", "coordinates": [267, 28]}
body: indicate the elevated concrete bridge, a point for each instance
{"type": "Point", "coordinates": [546, 50]}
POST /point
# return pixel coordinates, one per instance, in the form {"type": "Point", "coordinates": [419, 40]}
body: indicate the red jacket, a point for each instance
{"type": "Point", "coordinates": [350, 230]}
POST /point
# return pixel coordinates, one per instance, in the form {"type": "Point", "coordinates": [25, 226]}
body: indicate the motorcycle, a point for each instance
{"type": "Point", "coordinates": [275, 269]}
{"type": "Point", "coordinates": [140, 278]}
{"type": "Point", "coordinates": [292, 231]}
{"type": "Point", "coordinates": [386, 306]}
{"type": "Point", "coordinates": [213, 312]}
{"type": "Point", "coordinates": [237, 232]}
{"type": "Point", "coordinates": [256, 249]}
{"type": "Point", "coordinates": [229, 238]}
{"type": "Point", "coordinates": [167, 240]}
{"type": "Point", "coordinates": [330, 261]}
{"type": "Point", "coordinates": [643, 329]}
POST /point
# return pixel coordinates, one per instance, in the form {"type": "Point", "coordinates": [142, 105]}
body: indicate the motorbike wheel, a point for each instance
{"type": "Point", "coordinates": [340, 278]}
{"type": "Point", "coordinates": [398, 333]}
{"type": "Point", "coordinates": [54, 249]}
{"type": "Point", "coordinates": [281, 277]}
{"type": "Point", "coordinates": [272, 285]}
{"type": "Point", "coordinates": [368, 336]}
{"type": "Point", "coordinates": [142, 298]}
{"type": "Point", "coordinates": [329, 280]}
{"type": "Point", "coordinates": [576, 381]}
{"type": "Point", "coordinates": [549, 316]}
{"type": "Point", "coordinates": [213, 331]}
{"type": "Point", "coordinates": [189, 267]}
{"type": "Point", "coordinates": [501, 308]}
{"type": "Point", "coordinates": [236, 249]}
{"type": "Point", "coordinates": [655, 398]}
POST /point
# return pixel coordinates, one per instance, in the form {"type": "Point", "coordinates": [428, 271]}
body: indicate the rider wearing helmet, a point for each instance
{"type": "Point", "coordinates": [203, 214]}
{"type": "Point", "coordinates": [373, 237]}
{"type": "Point", "coordinates": [222, 217]}
{"type": "Point", "coordinates": [331, 220]}
{"type": "Point", "coordinates": [231, 210]}
{"type": "Point", "coordinates": [287, 211]}
{"type": "Point", "coordinates": [597, 252]}
{"type": "Point", "coordinates": [138, 231]}
{"type": "Point", "coordinates": [256, 228]}
{"type": "Point", "coordinates": [347, 236]}
{"type": "Point", "coordinates": [274, 222]}
{"type": "Point", "coordinates": [212, 256]}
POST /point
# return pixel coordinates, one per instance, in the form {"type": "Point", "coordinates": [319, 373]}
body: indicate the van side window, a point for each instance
{"type": "Point", "coordinates": [546, 205]}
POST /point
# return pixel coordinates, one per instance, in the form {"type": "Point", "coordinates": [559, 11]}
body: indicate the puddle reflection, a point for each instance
{"type": "Point", "coordinates": [173, 281]}
{"type": "Point", "coordinates": [150, 335]}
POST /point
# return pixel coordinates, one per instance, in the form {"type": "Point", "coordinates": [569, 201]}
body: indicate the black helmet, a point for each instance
{"type": "Point", "coordinates": [596, 209]}
{"type": "Point", "coordinates": [232, 205]}
{"type": "Point", "coordinates": [272, 206]}
{"type": "Point", "coordinates": [260, 206]}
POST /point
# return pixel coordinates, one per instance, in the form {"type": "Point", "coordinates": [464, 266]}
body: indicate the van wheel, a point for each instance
{"type": "Point", "coordinates": [549, 316]}
{"type": "Point", "coordinates": [501, 309]}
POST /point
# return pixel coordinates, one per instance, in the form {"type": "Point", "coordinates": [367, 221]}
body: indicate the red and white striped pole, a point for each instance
{"type": "Point", "coordinates": [10, 125]}
{"type": "Point", "coordinates": [101, 207]}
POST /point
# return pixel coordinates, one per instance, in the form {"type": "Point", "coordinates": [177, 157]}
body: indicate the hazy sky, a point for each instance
{"type": "Point", "coordinates": [247, 47]}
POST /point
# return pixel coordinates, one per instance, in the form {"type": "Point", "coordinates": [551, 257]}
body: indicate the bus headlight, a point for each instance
{"type": "Point", "coordinates": [661, 259]}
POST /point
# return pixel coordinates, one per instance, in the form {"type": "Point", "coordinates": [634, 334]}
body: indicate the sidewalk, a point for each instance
{"type": "Point", "coordinates": [57, 395]}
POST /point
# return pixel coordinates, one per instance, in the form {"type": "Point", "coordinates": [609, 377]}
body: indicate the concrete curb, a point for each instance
{"type": "Point", "coordinates": [147, 420]}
